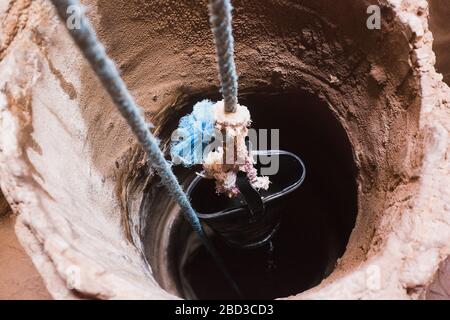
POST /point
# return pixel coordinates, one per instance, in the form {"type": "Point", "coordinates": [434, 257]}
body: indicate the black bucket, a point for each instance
{"type": "Point", "coordinates": [252, 218]}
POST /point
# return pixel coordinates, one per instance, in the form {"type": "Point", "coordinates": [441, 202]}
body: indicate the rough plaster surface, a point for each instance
{"type": "Point", "coordinates": [72, 172]}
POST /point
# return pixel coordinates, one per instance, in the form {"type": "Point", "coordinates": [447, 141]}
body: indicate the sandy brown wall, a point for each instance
{"type": "Point", "coordinates": [4, 208]}
{"type": "Point", "coordinates": [440, 26]}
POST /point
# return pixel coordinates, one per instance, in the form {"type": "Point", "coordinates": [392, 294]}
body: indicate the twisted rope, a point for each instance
{"type": "Point", "coordinates": [86, 39]}
{"type": "Point", "coordinates": [220, 19]}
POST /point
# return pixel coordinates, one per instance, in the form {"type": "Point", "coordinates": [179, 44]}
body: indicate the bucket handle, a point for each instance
{"type": "Point", "coordinates": [250, 195]}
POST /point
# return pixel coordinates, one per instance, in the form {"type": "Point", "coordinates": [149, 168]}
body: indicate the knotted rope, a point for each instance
{"type": "Point", "coordinates": [94, 52]}
{"type": "Point", "coordinates": [220, 19]}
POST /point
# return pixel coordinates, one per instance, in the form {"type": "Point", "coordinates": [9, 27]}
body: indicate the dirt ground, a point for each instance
{"type": "Point", "coordinates": [18, 276]}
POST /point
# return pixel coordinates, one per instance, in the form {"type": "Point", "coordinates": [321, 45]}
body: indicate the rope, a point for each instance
{"type": "Point", "coordinates": [220, 19]}
{"type": "Point", "coordinates": [104, 67]}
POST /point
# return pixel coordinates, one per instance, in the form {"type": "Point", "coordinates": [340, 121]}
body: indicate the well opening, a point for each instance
{"type": "Point", "coordinates": [314, 230]}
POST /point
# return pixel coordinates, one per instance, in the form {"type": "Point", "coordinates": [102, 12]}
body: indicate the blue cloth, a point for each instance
{"type": "Point", "coordinates": [194, 133]}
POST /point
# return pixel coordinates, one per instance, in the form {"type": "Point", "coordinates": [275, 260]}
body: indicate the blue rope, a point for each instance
{"type": "Point", "coordinates": [220, 19]}
{"type": "Point", "coordinates": [104, 67]}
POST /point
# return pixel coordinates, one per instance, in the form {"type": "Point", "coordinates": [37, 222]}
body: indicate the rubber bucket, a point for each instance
{"type": "Point", "coordinates": [252, 218]}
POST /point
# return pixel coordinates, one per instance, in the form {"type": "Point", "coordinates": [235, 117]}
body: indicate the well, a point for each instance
{"type": "Point", "coordinates": [367, 102]}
